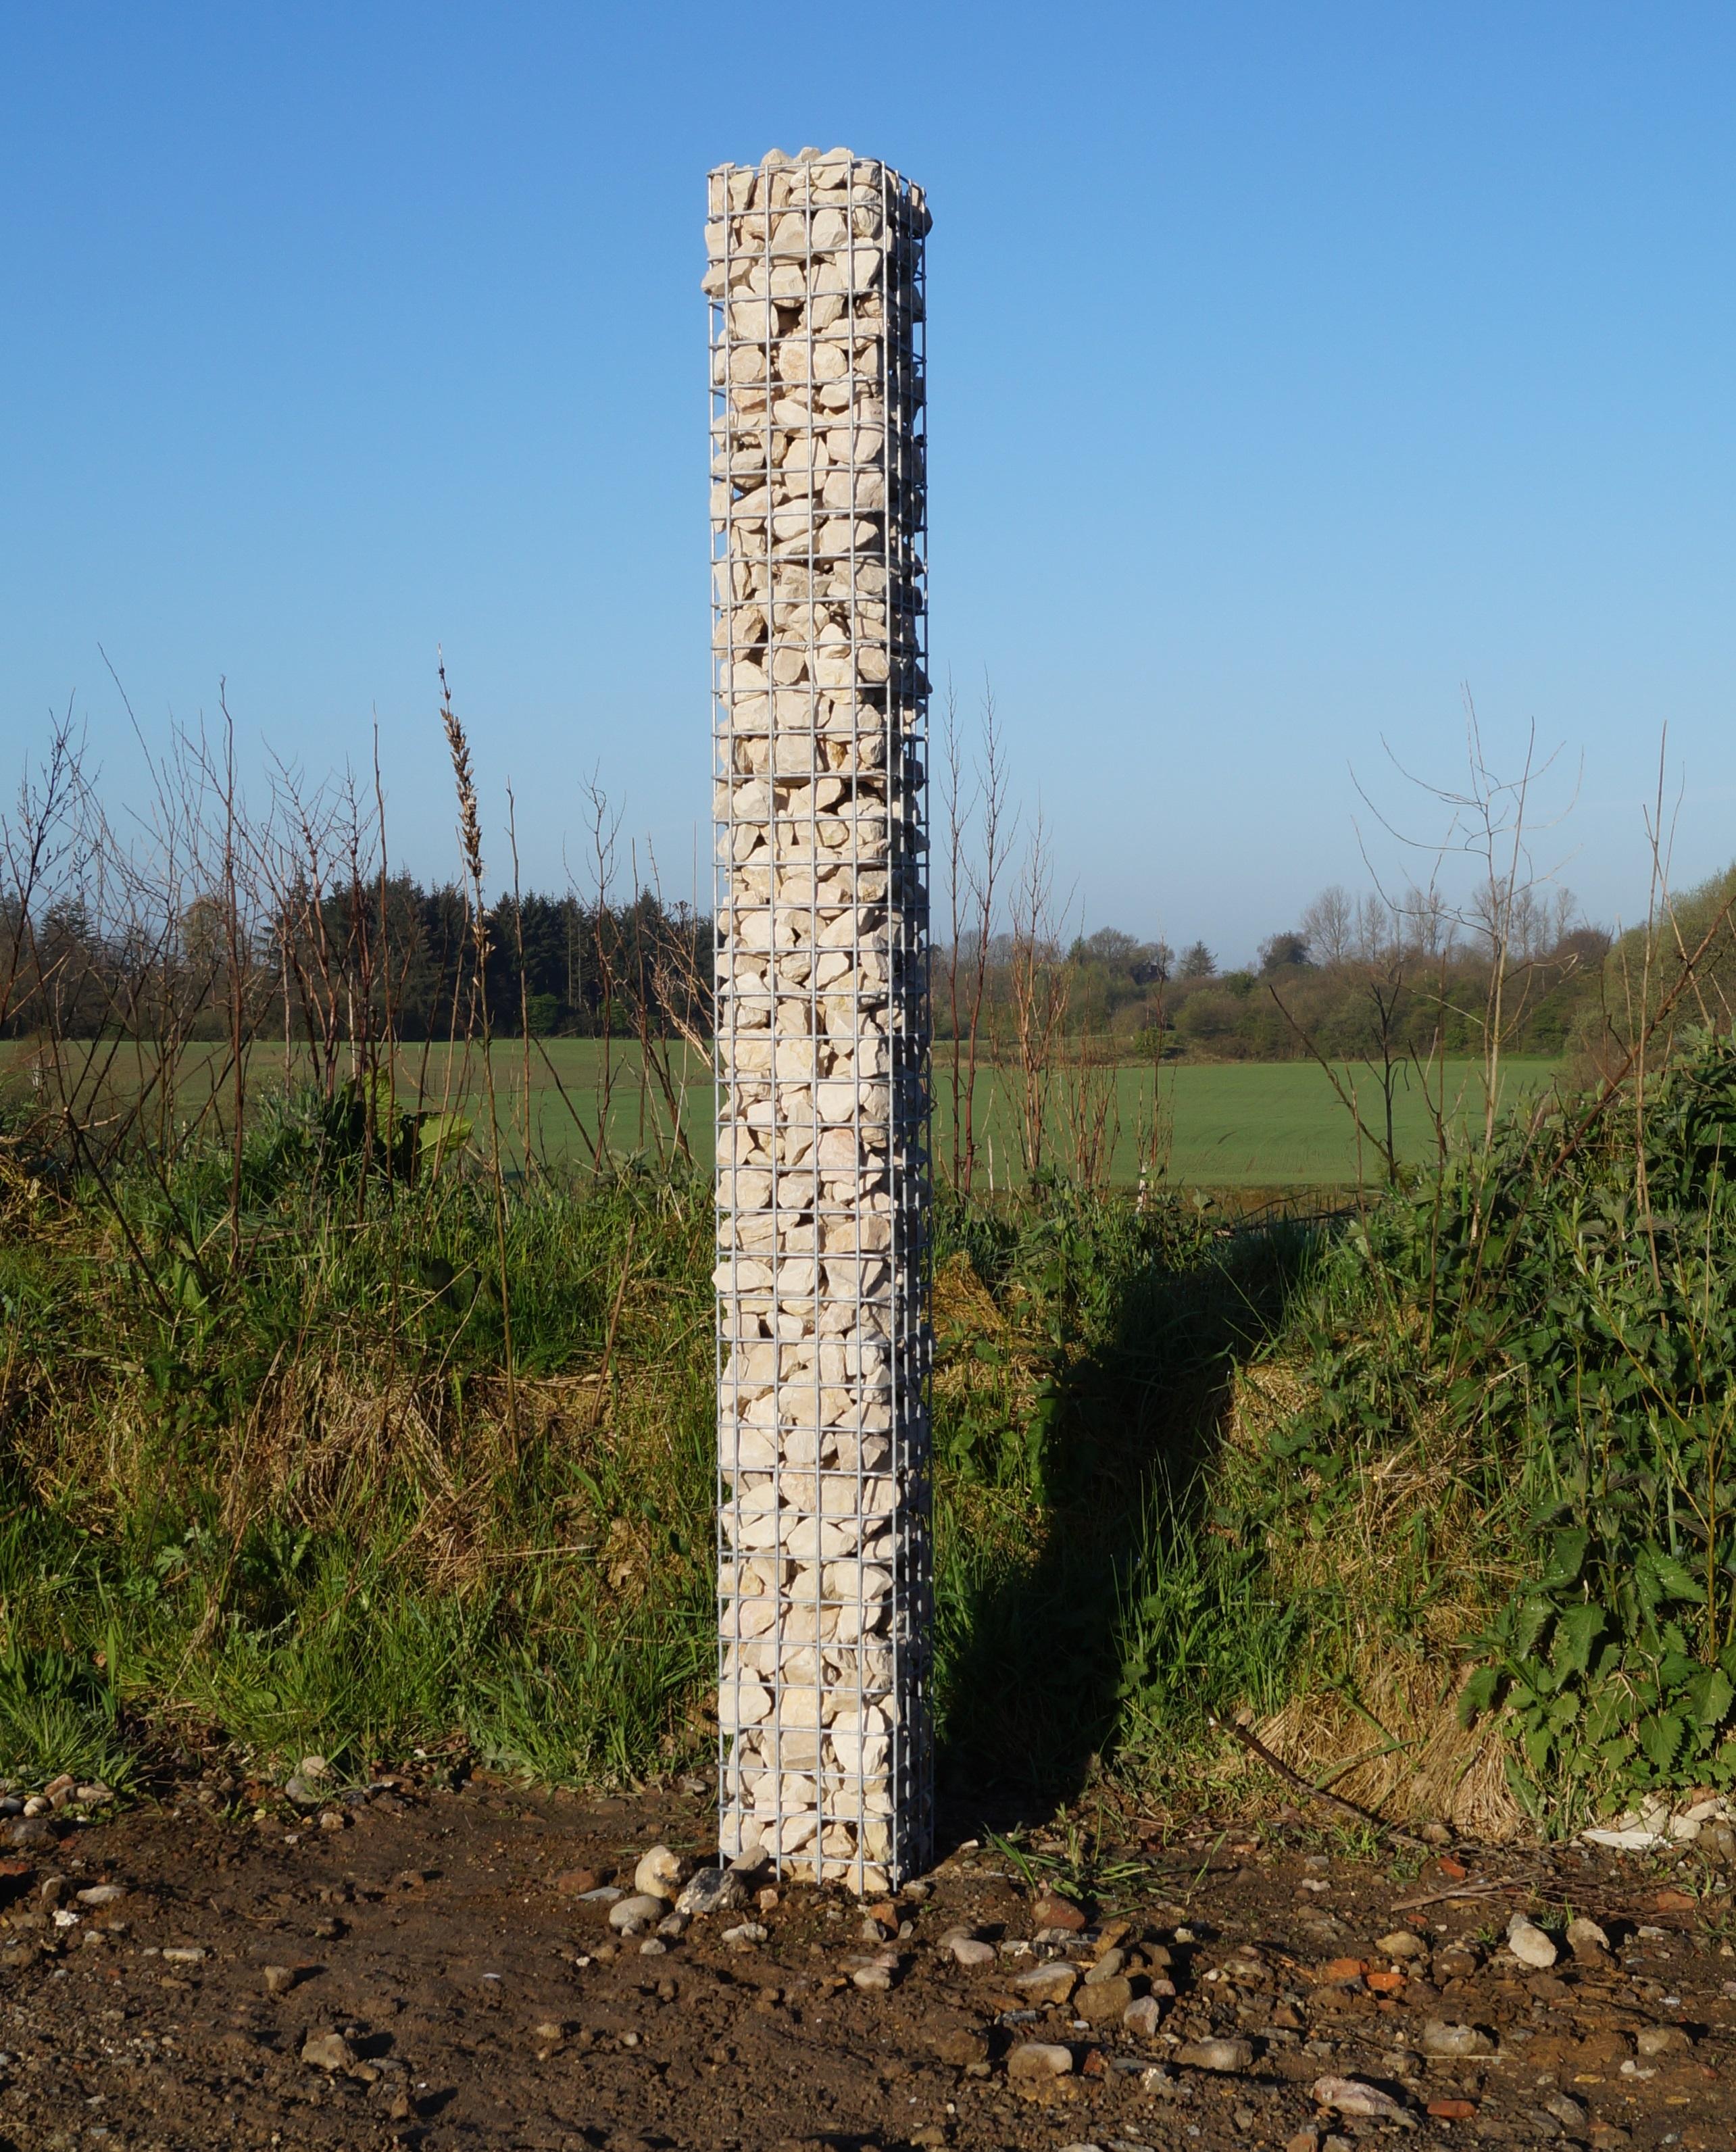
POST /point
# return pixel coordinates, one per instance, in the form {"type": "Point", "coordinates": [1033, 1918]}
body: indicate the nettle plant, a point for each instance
{"type": "Point", "coordinates": [1609, 1696]}
{"type": "Point", "coordinates": [1561, 1309]}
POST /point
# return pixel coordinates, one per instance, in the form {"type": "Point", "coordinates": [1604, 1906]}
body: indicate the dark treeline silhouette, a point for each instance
{"type": "Point", "coordinates": [383, 957]}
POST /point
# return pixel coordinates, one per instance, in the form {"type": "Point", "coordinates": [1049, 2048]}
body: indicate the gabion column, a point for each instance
{"type": "Point", "coordinates": [824, 1570]}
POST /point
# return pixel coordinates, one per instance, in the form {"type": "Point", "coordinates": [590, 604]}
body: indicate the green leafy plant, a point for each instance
{"type": "Point", "coordinates": [1557, 1314]}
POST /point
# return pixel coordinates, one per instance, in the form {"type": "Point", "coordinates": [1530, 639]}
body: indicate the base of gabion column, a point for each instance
{"type": "Point", "coordinates": [825, 1567]}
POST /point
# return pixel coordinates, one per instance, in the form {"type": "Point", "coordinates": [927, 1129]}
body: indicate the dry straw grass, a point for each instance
{"type": "Point", "coordinates": [1379, 1721]}
{"type": "Point", "coordinates": [1399, 1749]}
{"type": "Point", "coordinates": [336, 1446]}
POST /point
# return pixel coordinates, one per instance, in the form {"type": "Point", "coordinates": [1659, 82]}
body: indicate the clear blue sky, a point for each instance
{"type": "Point", "coordinates": [1291, 366]}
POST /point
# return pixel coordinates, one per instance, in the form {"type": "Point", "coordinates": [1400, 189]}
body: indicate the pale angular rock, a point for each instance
{"type": "Point", "coordinates": [1438, 2038]}
{"type": "Point", "coordinates": [1529, 1944]}
{"type": "Point", "coordinates": [327, 2051]}
{"type": "Point", "coordinates": [1053, 1982]}
{"type": "Point", "coordinates": [658, 1874]}
{"type": "Point", "coordinates": [1143, 2016]}
{"type": "Point", "coordinates": [1351, 2096]}
{"type": "Point", "coordinates": [1035, 2060]}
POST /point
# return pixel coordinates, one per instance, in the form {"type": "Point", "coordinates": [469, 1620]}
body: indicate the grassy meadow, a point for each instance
{"type": "Point", "coordinates": [1233, 1126]}
{"type": "Point", "coordinates": [1440, 1494]}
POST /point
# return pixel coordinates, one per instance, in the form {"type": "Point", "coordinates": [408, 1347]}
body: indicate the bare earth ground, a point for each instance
{"type": "Point", "coordinates": [483, 2006]}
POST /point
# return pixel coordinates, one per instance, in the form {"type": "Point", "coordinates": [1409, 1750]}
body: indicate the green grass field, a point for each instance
{"type": "Point", "coordinates": [1250, 1124]}
{"type": "Point", "coordinates": [1233, 1125]}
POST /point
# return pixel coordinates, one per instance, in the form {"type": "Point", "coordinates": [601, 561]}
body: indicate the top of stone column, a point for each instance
{"type": "Point", "coordinates": [810, 174]}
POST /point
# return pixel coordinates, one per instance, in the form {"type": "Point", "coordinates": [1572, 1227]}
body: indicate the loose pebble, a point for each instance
{"type": "Point", "coordinates": [327, 2051]}
{"type": "Point", "coordinates": [629, 1915]}
{"type": "Point", "coordinates": [1053, 1982]}
{"type": "Point", "coordinates": [1438, 2038]}
{"type": "Point", "coordinates": [658, 1874]}
{"type": "Point", "coordinates": [1529, 1944]}
{"type": "Point", "coordinates": [1351, 2096]}
{"type": "Point", "coordinates": [968, 1952]}
{"type": "Point", "coordinates": [1222, 2055]}
{"type": "Point", "coordinates": [1038, 2059]}
{"type": "Point", "coordinates": [1102, 2002]}
{"type": "Point", "coordinates": [712, 1891]}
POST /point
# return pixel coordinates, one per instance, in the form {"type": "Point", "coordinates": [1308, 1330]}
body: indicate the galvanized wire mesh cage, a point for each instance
{"type": "Point", "coordinates": [815, 279]}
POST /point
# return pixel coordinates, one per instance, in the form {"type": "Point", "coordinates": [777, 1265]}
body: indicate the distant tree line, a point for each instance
{"type": "Point", "coordinates": [380, 957]}
{"type": "Point", "coordinates": [1351, 976]}
{"type": "Point", "coordinates": [393, 958]}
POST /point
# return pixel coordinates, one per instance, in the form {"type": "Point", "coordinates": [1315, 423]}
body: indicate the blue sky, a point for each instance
{"type": "Point", "coordinates": [1291, 368]}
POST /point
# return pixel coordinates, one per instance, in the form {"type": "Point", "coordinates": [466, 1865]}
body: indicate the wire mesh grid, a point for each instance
{"type": "Point", "coordinates": [815, 279]}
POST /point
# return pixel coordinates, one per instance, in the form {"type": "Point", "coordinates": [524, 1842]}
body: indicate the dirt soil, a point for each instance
{"type": "Point", "coordinates": [477, 1999]}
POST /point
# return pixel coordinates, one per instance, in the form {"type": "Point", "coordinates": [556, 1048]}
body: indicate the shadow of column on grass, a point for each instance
{"type": "Point", "coordinates": [1086, 1596]}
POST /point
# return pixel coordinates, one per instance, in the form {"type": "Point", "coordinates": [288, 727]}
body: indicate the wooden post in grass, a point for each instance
{"type": "Point", "coordinates": [824, 1568]}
